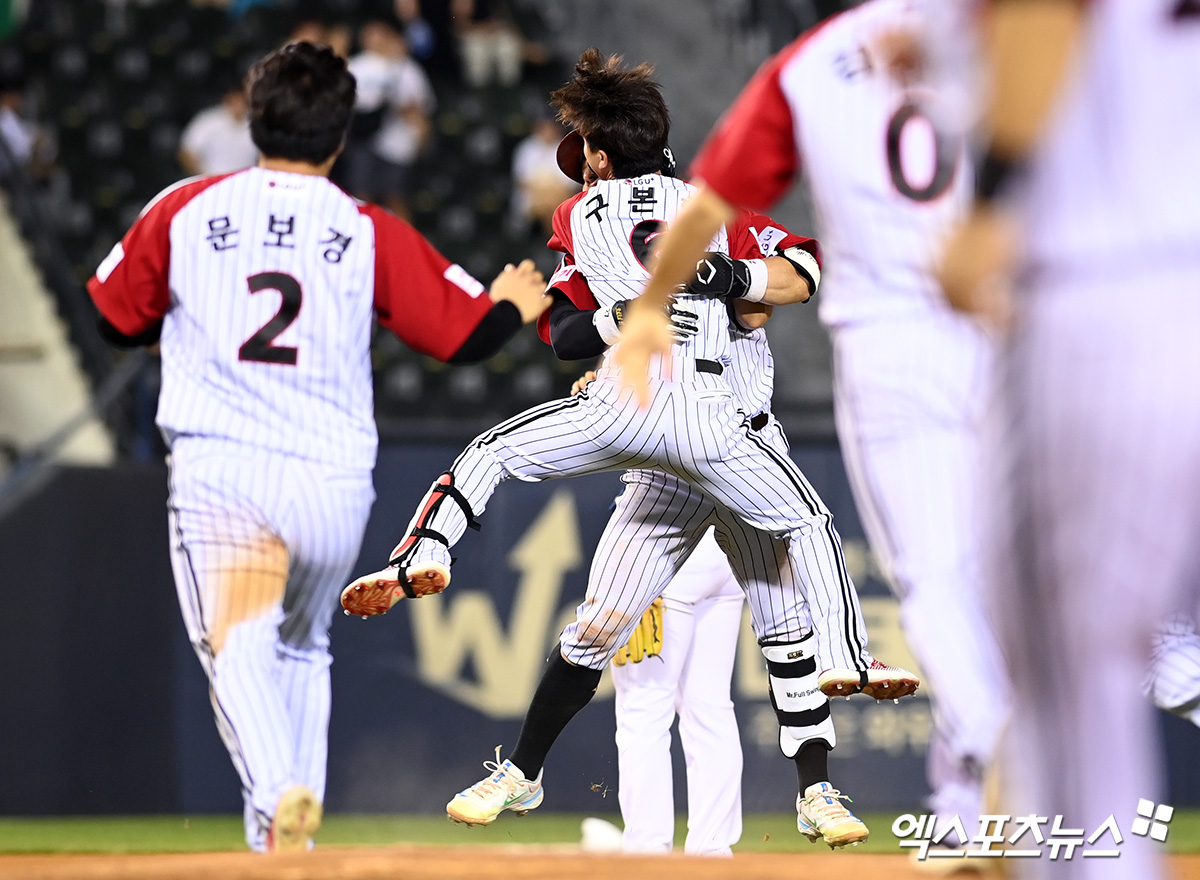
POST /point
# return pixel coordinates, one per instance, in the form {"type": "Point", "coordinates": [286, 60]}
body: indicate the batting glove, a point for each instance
{"type": "Point", "coordinates": [685, 323]}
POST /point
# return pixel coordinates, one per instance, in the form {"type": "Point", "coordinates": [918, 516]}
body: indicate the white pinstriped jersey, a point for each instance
{"type": "Point", "coordinates": [1105, 185]}
{"type": "Point", "coordinates": [606, 226]}
{"type": "Point", "coordinates": [265, 282]}
{"type": "Point", "coordinates": [750, 373]}
{"type": "Point", "coordinates": [750, 370]}
{"type": "Point", "coordinates": [885, 182]}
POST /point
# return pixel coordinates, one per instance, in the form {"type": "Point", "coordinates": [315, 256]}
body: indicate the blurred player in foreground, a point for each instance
{"type": "Point", "coordinates": [1084, 243]}
{"type": "Point", "coordinates": [850, 106]}
{"type": "Point", "coordinates": [1089, 190]}
{"type": "Point", "coordinates": [262, 286]}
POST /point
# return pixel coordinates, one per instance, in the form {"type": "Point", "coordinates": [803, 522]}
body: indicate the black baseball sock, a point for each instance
{"type": "Point", "coordinates": [812, 763]}
{"type": "Point", "coordinates": [563, 690]}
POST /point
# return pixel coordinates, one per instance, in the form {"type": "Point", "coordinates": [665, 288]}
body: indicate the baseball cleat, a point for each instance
{"type": "Point", "coordinates": [506, 789]}
{"type": "Point", "coordinates": [880, 681]}
{"type": "Point", "coordinates": [376, 593]}
{"type": "Point", "coordinates": [822, 816]}
{"type": "Point", "coordinates": [297, 820]}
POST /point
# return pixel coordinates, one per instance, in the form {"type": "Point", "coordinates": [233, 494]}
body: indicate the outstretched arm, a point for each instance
{"type": "Point", "coordinates": [1029, 44]}
{"type": "Point", "coordinates": [645, 332]}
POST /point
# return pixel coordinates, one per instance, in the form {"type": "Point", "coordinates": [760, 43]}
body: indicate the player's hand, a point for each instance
{"type": "Point", "coordinates": [977, 265]}
{"type": "Point", "coordinates": [683, 321]}
{"type": "Point", "coordinates": [583, 382]}
{"type": "Point", "coordinates": [644, 333]}
{"type": "Point", "coordinates": [524, 287]}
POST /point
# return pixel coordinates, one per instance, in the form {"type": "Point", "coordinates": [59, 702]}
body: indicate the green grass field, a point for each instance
{"type": "Point", "coordinates": [162, 834]}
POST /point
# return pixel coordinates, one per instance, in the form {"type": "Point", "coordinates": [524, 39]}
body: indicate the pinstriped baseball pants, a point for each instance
{"type": "Point", "coordinates": [1097, 487]}
{"type": "Point", "coordinates": [909, 397]}
{"type": "Point", "coordinates": [693, 431]}
{"type": "Point", "coordinates": [261, 544]}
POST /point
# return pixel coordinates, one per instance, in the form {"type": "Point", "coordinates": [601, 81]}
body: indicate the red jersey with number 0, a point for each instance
{"type": "Point", "coordinates": [266, 283]}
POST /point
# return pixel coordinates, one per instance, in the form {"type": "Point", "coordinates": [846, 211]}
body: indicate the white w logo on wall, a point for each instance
{"type": "Point", "coordinates": [465, 627]}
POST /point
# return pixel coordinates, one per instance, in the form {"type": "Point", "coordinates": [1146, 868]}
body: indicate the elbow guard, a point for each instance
{"type": "Point", "coordinates": [806, 264]}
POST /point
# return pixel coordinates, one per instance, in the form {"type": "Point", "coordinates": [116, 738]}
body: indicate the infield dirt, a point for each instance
{"type": "Point", "coordinates": [478, 863]}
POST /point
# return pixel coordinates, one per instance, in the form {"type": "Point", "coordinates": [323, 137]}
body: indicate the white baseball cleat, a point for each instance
{"type": "Point", "coordinates": [506, 789]}
{"type": "Point", "coordinates": [376, 593]}
{"type": "Point", "coordinates": [880, 681]}
{"type": "Point", "coordinates": [822, 816]}
{"type": "Point", "coordinates": [297, 820]}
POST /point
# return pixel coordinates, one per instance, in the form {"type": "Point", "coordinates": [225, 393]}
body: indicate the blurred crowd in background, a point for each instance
{"type": "Point", "coordinates": [103, 103]}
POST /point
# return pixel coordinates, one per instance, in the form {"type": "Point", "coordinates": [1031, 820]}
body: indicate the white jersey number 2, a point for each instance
{"type": "Point", "coordinates": [260, 347]}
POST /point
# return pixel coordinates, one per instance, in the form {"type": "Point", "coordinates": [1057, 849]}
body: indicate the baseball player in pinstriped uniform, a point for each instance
{"type": "Point", "coordinates": [910, 375]}
{"type": "Point", "coordinates": [645, 534]}
{"type": "Point", "coordinates": [1089, 187]}
{"type": "Point", "coordinates": [1174, 680]}
{"type": "Point", "coordinates": [693, 430]}
{"type": "Point", "coordinates": [262, 285]}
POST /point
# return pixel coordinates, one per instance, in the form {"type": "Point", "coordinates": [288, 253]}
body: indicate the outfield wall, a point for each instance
{"type": "Point", "coordinates": [105, 708]}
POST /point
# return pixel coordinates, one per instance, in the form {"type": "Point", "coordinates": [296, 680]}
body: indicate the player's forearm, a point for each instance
{"type": "Point", "coordinates": [684, 244]}
{"type": "Point", "coordinates": [784, 284]}
{"type": "Point", "coordinates": [1029, 45]}
{"type": "Point", "coordinates": [751, 315]}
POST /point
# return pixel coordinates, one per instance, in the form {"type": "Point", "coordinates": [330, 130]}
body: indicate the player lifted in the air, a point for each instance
{"type": "Point", "coordinates": [694, 431]}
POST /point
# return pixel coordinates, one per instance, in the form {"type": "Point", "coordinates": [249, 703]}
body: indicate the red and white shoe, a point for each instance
{"type": "Point", "coordinates": [880, 681]}
{"type": "Point", "coordinates": [376, 593]}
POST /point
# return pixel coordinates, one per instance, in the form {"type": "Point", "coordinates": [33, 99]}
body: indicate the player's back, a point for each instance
{"type": "Point", "coordinates": [613, 227]}
{"type": "Point", "coordinates": [267, 338]}
{"type": "Point", "coordinates": [886, 176]}
{"type": "Point", "coordinates": [1117, 177]}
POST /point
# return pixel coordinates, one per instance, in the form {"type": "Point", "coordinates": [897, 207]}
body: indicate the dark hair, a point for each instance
{"type": "Point", "coordinates": [301, 100]}
{"type": "Point", "coordinates": [618, 110]}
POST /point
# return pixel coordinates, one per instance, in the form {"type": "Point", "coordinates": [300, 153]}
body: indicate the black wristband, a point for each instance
{"type": "Point", "coordinates": [992, 175]}
{"type": "Point", "coordinates": [116, 338]}
{"type": "Point", "coordinates": [618, 311]}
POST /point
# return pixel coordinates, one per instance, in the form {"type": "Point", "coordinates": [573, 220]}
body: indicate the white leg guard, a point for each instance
{"type": "Point", "coordinates": [802, 709]}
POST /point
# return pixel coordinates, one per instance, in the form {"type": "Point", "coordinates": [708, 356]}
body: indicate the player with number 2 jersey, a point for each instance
{"type": "Point", "coordinates": [261, 286]}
